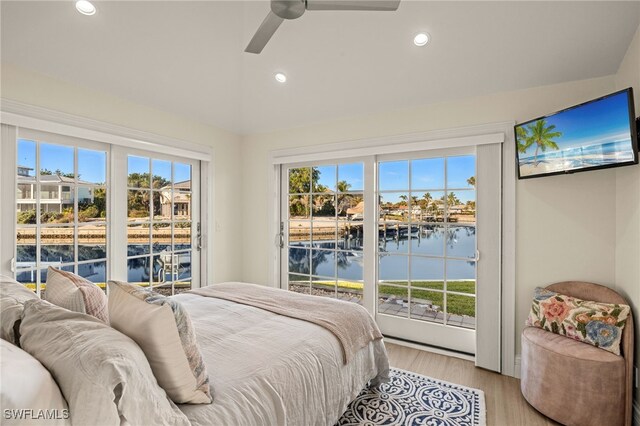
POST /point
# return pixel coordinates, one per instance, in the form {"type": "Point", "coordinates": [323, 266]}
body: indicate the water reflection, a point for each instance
{"type": "Point", "coordinates": [459, 241]}
{"type": "Point", "coordinates": [321, 261]}
{"type": "Point", "coordinates": [166, 267]}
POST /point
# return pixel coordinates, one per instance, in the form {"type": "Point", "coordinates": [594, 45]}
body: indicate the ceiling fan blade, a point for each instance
{"type": "Point", "coordinates": [383, 5]}
{"type": "Point", "coordinates": [264, 33]}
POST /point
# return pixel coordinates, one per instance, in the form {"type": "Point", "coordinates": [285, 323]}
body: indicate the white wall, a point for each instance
{"type": "Point", "coordinates": [628, 202]}
{"type": "Point", "coordinates": [40, 90]}
{"type": "Point", "coordinates": [566, 228]}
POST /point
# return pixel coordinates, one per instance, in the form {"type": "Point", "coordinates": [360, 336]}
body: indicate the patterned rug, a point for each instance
{"type": "Point", "coordinates": [410, 399]}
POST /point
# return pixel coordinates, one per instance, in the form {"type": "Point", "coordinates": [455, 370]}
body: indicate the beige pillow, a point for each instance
{"type": "Point", "coordinates": [26, 384]}
{"type": "Point", "coordinates": [71, 291]}
{"type": "Point", "coordinates": [163, 329]}
{"type": "Point", "coordinates": [103, 374]}
{"type": "Point", "coordinates": [13, 295]}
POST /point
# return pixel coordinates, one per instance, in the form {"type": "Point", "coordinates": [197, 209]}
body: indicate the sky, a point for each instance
{"type": "Point", "coordinates": [427, 175]}
{"type": "Point", "coordinates": [352, 173]}
{"type": "Point", "coordinates": [606, 120]}
{"type": "Point", "coordinates": [160, 168]}
{"type": "Point", "coordinates": [91, 163]}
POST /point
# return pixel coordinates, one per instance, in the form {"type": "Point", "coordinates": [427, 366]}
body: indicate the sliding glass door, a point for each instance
{"type": "Point", "coordinates": [61, 208]}
{"type": "Point", "coordinates": [323, 228]}
{"type": "Point", "coordinates": [162, 218]}
{"type": "Point", "coordinates": [426, 284]}
{"type": "Point", "coordinates": [104, 212]}
{"type": "Point", "coordinates": [403, 240]}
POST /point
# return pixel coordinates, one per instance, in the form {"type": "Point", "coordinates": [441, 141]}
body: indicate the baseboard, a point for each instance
{"type": "Point", "coordinates": [516, 367]}
{"type": "Point", "coordinates": [636, 413]}
{"type": "Point", "coordinates": [427, 348]}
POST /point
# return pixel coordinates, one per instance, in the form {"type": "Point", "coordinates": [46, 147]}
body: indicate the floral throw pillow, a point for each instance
{"type": "Point", "coordinates": [599, 324]}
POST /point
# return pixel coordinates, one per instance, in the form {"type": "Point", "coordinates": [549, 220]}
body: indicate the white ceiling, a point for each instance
{"type": "Point", "coordinates": [187, 57]}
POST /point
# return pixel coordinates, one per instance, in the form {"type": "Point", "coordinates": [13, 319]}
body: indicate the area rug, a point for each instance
{"type": "Point", "coordinates": [411, 399]}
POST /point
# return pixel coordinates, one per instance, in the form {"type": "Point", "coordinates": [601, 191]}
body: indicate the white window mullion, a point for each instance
{"type": "Point", "coordinates": [370, 231]}
{"type": "Point", "coordinates": [117, 212]}
{"type": "Point", "coordinates": [8, 196]}
{"type": "Point", "coordinates": [38, 221]}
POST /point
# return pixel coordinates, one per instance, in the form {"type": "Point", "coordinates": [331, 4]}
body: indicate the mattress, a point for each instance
{"type": "Point", "coordinates": [268, 369]}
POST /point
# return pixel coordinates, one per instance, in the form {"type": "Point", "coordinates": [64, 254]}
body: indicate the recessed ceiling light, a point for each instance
{"type": "Point", "coordinates": [421, 39]}
{"type": "Point", "coordinates": [280, 77]}
{"type": "Point", "coordinates": [85, 7]}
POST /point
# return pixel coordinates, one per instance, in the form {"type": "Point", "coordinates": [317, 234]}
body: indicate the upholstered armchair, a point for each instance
{"type": "Point", "coordinates": [575, 383]}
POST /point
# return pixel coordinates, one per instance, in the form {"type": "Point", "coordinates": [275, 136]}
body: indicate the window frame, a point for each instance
{"type": "Point", "coordinates": [119, 200]}
{"type": "Point", "coordinates": [483, 137]}
{"type": "Point", "coordinates": [422, 155]}
{"type": "Point", "coordinates": [19, 116]}
{"type": "Point", "coordinates": [39, 138]}
{"type": "Point", "coordinates": [285, 209]}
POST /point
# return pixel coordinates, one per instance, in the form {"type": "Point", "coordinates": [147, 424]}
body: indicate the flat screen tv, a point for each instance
{"type": "Point", "coordinates": [597, 134]}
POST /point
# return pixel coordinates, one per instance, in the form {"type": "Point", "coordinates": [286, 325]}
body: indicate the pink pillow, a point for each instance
{"type": "Point", "coordinates": [72, 292]}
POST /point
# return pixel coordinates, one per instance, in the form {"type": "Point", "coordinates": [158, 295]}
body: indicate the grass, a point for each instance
{"type": "Point", "coordinates": [457, 304]}
{"type": "Point", "coordinates": [43, 286]}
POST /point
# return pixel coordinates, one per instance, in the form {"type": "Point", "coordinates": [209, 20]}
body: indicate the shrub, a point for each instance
{"type": "Point", "coordinates": [28, 217]}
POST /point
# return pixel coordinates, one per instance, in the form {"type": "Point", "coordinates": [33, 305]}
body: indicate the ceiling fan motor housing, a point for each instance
{"type": "Point", "coordinates": [288, 9]}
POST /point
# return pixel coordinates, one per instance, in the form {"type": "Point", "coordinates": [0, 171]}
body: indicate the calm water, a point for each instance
{"type": "Point", "coordinates": [613, 152]}
{"type": "Point", "coordinates": [320, 258]}
{"type": "Point", "coordinates": [138, 269]}
{"type": "Point", "coordinates": [54, 255]}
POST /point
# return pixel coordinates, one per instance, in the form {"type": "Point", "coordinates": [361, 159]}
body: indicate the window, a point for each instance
{"type": "Point", "coordinates": [61, 210]}
{"type": "Point", "coordinates": [427, 239]}
{"type": "Point", "coordinates": [325, 206]}
{"type": "Point", "coordinates": [159, 224]}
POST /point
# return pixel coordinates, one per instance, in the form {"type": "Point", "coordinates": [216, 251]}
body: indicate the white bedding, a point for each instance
{"type": "Point", "coordinates": [268, 369]}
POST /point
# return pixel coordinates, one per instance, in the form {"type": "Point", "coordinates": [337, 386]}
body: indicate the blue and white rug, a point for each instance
{"type": "Point", "coordinates": [411, 399]}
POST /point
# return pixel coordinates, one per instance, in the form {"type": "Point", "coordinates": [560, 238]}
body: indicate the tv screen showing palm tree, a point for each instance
{"type": "Point", "coordinates": [597, 134]}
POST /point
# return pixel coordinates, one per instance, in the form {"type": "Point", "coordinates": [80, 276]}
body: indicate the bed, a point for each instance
{"type": "Point", "coordinates": [264, 368]}
{"type": "Point", "coordinates": [269, 369]}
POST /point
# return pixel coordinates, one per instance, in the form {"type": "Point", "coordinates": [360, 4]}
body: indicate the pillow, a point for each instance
{"type": "Point", "coordinates": [599, 324]}
{"type": "Point", "coordinates": [77, 294]}
{"type": "Point", "coordinates": [26, 384]}
{"type": "Point", "coordinates": [12, 298]}
{"type": "Point", "coordinates": [163, 329]}
{"type": "Point", "coordinates": [103, 375]}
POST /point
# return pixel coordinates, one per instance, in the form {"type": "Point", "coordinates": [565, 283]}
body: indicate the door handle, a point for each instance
{"type": "Point", "coordinates": [198, 237]}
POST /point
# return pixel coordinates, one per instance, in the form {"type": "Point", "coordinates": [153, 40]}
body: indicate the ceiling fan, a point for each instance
{"type": "Point", "coordinates": [292, 9]}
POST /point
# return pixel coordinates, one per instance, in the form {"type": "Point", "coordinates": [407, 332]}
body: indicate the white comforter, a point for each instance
{"type": "Point", "coordinates": [267, 369]}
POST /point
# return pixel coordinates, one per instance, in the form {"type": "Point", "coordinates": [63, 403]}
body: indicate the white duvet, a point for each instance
{"type": "Point", "coordinates": [268, 369]}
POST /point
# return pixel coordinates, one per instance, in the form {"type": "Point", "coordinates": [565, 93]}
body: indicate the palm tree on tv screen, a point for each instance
{"type": "Point", "coordinates": [524, 141]}
{"type": "Point", "coordinates": [542, 135]}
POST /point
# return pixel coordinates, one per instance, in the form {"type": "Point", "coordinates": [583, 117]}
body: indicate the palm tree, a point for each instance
{"type": "Point", "coordinates": [403, 199]}
{"type": "Point", "coordinates": [426, 200]}
{"type": "Point", "coordinates": [343, 186]}
{"type": "Point", "coordinates": [346, 200]}
{"type": "Point", "coordinates": [472, 181]}
{"type": "Point", "coordinates": [543, 135]}
{"type": "Point", "coordinates": [524, 140]}
{"type": "Point", "coordinates": [452, 200]}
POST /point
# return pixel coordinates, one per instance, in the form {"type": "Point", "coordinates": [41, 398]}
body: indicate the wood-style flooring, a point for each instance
{"type": "Point", "coordinates": [505, 404]}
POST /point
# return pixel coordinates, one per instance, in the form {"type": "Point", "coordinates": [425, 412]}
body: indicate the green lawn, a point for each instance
{"type": "Point", "coordinates": [456, 304]}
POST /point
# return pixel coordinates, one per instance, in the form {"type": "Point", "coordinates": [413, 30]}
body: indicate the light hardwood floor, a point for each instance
{"type": "Point", "coordinates": [505, 404]}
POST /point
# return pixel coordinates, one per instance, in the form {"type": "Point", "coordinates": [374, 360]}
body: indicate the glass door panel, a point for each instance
{"type": "Point", "coordinates": [160, 223]}
{"type": "Point", "coordinates": [324, 230]}
{"type": "Point", "coordinates": [427, 249]}
{"type": "Point", "coordinates": [61, 209]}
